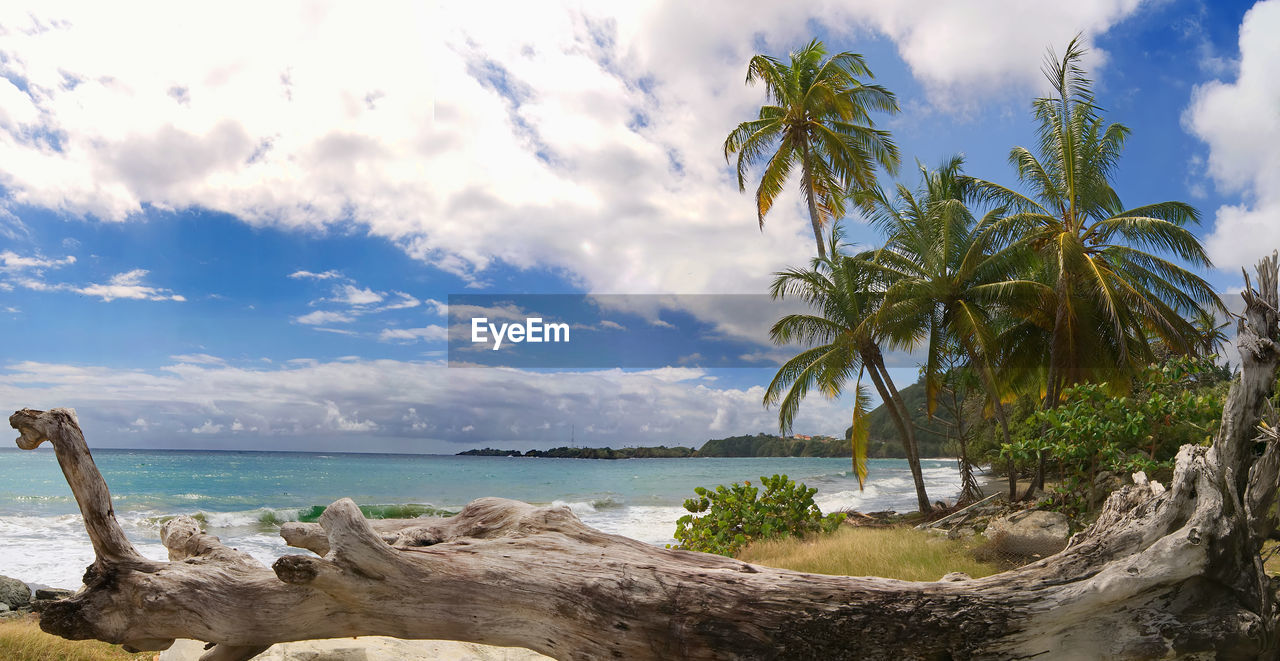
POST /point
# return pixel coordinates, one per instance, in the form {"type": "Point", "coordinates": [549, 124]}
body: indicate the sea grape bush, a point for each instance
{"type": "Point", "coordinates": [725, 519]}
{"type": "Point", "coordinates": [1093, 431]}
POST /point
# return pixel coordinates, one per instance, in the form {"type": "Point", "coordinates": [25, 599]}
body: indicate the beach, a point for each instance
{"type": "Point", "coordinates": [242, 497]}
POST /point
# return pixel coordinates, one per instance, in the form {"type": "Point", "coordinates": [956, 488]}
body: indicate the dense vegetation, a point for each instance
{"type": "Point", "coordinates": [1095, 436]}
{"type": "Point", "coordinates": [757, 445]}
{"type": "Point", "coordinates": [659, 452]}
{"type": "Point", "coordinates": [1039, 309]}
{"type": "Point", "coordinates": [931, 431]}
{"type": "Point", "coordinates": [769, 445]}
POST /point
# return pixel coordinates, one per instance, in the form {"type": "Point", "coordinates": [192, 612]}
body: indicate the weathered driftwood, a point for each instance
{"type": "Point", "coordinates": [1164, 573]}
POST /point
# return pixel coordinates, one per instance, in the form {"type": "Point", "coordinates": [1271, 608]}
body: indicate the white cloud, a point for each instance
{"type": "Point", "coordinates": [324, 317]}
{"type": "Point", "coordinates": [587, 137]}
{"type": "Point", "coordinates": [198, 359]}
{"type": "Point", "coordinates": [313, 405]}
{"type": "Point", "coordinates": [1240, 122]}
{"type": "Point", "coordinates": [357, 301]}
{"type": "Point", "coordinates": [11, 262]}
{"type": "Point", "coordinates": [352, 295]}
{"type": "Point", "coordinates": [308, 275]}
{"type": "Point", "coordinates": [337, 331]}
{"type": "Point", "coordinates": [334, 419]}
{"type": "Point", "coordinates": [207, 428]}
{"type": "Point", "coordinates": [431, 333]}
{"type": "Point", "coordinates": [128, 285]}
{"type": "Point", "coordinates": [962, 50]}
{"type": "Point", "coordinates": [403, 302]}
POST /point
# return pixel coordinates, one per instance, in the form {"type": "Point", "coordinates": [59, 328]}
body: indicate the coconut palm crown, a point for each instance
{"type": "Point", "coordinates": [1118, 276]}
{"type": "Point", "coordinates": [817, 121]}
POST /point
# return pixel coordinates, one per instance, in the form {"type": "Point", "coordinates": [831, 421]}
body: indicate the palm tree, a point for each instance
{"type": "Point", "coordinates": [1213, 334]}
{"type": "Point", "coordinates": [818, 119]}
{"type": "Point", "coordinates": [1110, 290]}
{"type": "Point", "coordinates": [958, 381]}
{"type": "Point", "coordinates": [843, 294]}
{"type": "Point", "coordinates": [950, 278]}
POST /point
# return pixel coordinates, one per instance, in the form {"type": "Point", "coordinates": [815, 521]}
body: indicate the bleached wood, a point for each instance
{"type": "Point", "coordinates": [1164, 573]}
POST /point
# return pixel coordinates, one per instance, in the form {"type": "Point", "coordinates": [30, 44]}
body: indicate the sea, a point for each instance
{"type": "Point", "coordinates": [243, 497]}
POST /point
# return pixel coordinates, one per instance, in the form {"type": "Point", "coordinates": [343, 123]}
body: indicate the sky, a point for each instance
{"type": "Point", "coordinates": [238, 226]}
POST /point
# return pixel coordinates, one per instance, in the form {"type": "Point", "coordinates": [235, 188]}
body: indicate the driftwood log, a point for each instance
{"type": "Point", "coordinates": [1164, 573]}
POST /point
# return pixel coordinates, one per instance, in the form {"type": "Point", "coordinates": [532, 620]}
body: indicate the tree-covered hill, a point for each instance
{"type": "Point", "coordinates": [768, 445]}
{"type": "Point", "coordinates": [930, 434]}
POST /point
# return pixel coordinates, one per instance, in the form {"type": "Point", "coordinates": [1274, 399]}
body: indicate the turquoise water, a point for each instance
{"type": "Point", "coordinates": [242, 496]}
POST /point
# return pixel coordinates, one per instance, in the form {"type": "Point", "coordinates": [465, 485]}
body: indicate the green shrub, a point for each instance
{"type": "Point", "coordinates": [725, 519]}
{"type": "Point", "coordinates": [1095, 430]}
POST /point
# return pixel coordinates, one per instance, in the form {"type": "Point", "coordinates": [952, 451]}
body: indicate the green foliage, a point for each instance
{"type": "Point", "coordinates": [659, 452]}
{"type": "Point", "coordinates": [931, 434]}
{"type": "Point", "coordinates": [816, 126]}
{"type": "Point", "coordinates": [1177, 402]}
{"type": "Point", "coordinates": [769, 445]}
{"type": "Point", "coordinates": [724, 519]}
{"type": "Point", "coordinates": [1110, 278]}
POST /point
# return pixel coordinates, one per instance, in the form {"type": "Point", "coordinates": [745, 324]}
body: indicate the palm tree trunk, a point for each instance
{"type": "Point", "coordinates": [1054, 380]}
{"type": "Point", "coordinates": [993, 394]}
{"type": "Point", "coordinates": [815, 216]}
{"type": "Point", "coordinates": [970, 492]}
{"type": "Point", "coordinates": [906, 428]}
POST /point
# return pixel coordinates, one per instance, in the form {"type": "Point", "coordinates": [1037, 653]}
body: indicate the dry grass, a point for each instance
{"type": "Point", "coordinates": [1271, 557]}
{"type": "Point", "coordinates": [22, 640]}
{"type": "Point", "coordinates": [902, 553]}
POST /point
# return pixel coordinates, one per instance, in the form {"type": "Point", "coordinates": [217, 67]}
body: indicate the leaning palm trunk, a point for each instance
{"type": "Point", "coordinates": [901, 419]}
{"type": "Point", "coordinates": [811, 196]}
{"type": "Point", "coordinates": [1163, 573]}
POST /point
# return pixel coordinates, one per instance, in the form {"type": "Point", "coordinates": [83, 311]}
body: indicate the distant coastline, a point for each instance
{"type": "Point", "coordinates": [759, 445]}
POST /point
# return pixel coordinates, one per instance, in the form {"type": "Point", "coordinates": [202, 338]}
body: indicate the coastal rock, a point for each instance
{"type": "Point", "coordinates": [367, 648]}
{"type": "Point", "coordinates": [53, 593]}
{"type": "Point", "coordinates": [1030, 533]}
{"type": "Point", "coordinates": [14, 593]}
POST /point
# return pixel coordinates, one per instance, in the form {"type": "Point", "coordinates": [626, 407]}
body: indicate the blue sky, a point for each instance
{"type": "Point", "coordinates": [250, 247]}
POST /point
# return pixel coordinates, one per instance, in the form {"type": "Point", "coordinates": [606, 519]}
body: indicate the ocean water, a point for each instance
{"type": "Point", "coordinates": [243, 496]}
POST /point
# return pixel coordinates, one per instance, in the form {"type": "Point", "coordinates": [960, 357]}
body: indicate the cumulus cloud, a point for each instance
{"type": "Point", "coordinates": [388, 405]}
{"type": "Point", "coordinates": [11, 262]}
{"type": "Point", "coordinates": [128, 285]}
{"type": "Point", "coordinates": [207, 428]}
{"type": "Point", "coordinates": [1241, 125]}
{"type": "Point", "coordinates": [324, 317]}
{"type": "Point", "coordinates": [585, 136]}
{"type": "Point", "coordinates": [356, 301]}
{"type": "Point", "coordinates": [352, 295]}
{"type": "Point", "coordinates": [960, 50]}
{"type": "Point", "coordinates": [198, 359]}
{"type": "Point", "coordinates": [405, 301]}
{"type": "Point", "coordinates": [431, 333]}
{"type": "Point", "coordinates": [308, 275]}
{"type": "Point", "coordinates": [28, 273]}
